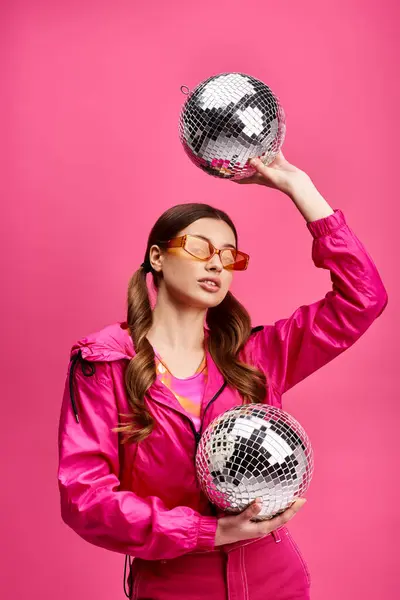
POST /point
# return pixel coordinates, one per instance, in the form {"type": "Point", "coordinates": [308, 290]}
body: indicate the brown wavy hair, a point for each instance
{"type": "Point", "coordinates": [229, 328]}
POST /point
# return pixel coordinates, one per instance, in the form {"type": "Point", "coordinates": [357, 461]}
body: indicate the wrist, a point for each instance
{"type": "Point", "coordinates": [300, 187]}
{"type": "Point", "coordinates": [220, 534]}
{"type": "Point", "coordinates": [308, 200]}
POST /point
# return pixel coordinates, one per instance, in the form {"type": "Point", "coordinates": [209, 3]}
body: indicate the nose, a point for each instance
{"type": "Point", "coordinates": [215, 263]}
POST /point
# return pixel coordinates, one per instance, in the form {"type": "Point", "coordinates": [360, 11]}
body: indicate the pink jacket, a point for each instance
{"type": "Point", "coordinates": [144, 500]}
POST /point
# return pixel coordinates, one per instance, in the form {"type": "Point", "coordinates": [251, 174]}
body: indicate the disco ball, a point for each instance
{"type": "Point", "coordinates": [228, 119]}
{"type": "Point", "coordinates": [254, 451]}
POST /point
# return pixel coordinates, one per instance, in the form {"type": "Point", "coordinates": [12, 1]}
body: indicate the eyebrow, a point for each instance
{"type": "Point", "coordinates": [203, 237]}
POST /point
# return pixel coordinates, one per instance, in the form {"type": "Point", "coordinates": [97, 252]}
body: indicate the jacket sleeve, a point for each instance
{"type": "Point", "coordinates": [92, 503]}
{"type": "Point", "coordinates": [313, 335]}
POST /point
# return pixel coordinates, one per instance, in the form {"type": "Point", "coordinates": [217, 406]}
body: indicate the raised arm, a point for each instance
{"type": "Point", "coordinates": [313, 335]}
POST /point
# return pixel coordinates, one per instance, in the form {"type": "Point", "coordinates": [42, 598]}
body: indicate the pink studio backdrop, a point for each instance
{"type": "Point", "coordinates": [90, 104]}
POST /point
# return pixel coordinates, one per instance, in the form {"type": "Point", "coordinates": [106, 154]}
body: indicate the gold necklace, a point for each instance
{"type": "Point", "coordinates": [198, 370]}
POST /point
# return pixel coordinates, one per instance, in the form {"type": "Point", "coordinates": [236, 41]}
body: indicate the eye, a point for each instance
{"type": "Point", "coordinates": [198, 247]}
{"type": "Point", "coordinates": [228, 256]}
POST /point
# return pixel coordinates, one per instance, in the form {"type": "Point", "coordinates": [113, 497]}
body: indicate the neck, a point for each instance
{"type": "Point", "coordinates": [177, 326]}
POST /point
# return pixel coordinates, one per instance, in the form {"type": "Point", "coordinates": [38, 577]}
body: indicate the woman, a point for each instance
{"type": "Point", "coordinates": [139, 394]}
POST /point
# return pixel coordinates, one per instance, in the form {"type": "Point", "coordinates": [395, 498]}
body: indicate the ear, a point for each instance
{"type": "Point", "coordinates": [156, 258]}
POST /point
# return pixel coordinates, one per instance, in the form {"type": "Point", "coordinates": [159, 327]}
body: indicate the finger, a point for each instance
{"type": "Point", "coordinates": [251, 511]}
{"type": "Point", "coordinates": [294, 508]}
{"type": "Point", "coordinates": [263, 170]}
{"type": "Point", "coordinates": [280, 520]}
{"type": "Point", "coordinates": [290, 512]}
{"type": "Point", "coordinates": [256, 163]}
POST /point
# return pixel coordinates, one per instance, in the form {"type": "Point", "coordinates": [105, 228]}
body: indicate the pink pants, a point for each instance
{"type": "Point", "coordinates": [269, 568]}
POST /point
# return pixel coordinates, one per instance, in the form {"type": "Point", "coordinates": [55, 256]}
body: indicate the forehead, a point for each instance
{"type": "Point", "coordinates": [217, 231]}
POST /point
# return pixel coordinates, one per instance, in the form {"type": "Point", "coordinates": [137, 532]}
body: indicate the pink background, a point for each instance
{"type": "Point", "coordinates": [91, 157]}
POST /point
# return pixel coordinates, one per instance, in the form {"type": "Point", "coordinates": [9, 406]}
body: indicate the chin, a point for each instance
{"type": "Point", "coordinates": [210, 300]}
{"type": "Point", "coordinates": [199, 298]}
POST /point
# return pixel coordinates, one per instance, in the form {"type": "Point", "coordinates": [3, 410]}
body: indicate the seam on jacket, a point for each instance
{"type": "Point", "coordinates": [253, 360]}
{"type": "Point", "coordinates": [99, 379]}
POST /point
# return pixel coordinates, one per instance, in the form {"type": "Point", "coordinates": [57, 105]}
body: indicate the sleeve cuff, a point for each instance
{"type": "Point", "coordinates": [206, 533]}
{"type": "Point", "coordinates": [326, 225]}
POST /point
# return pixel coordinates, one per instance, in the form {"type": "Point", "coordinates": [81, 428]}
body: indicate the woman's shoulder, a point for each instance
{"type": "Point", "coordinates": [248, 352]}
{"type": "Point", "coordinates": [109, 343]}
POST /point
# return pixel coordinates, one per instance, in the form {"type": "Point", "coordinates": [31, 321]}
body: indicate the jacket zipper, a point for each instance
{"type": "Point", "coordinates": [198, 434]}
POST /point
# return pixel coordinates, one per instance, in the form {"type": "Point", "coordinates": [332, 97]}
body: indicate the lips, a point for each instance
{"type": "Point", "coordinates": [213, 279]}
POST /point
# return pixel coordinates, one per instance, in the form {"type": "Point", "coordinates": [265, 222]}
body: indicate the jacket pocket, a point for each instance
{"type": "Point", "coordinates": [299, 554]}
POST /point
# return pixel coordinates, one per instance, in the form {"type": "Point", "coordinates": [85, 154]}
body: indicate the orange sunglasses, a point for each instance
{"type": "Point", "coordinates": [231, 259]}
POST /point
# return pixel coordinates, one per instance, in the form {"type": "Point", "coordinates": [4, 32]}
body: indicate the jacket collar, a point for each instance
{"type": "Point", "coordinates": [114, 343]}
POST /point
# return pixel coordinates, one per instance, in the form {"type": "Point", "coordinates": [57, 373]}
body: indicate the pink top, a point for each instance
{"type": "Point", "coordinates": [188, 391]}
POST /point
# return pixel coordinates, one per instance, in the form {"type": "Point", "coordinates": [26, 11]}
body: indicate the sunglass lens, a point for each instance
{"type": "Point", "coordinates": [197, 247]}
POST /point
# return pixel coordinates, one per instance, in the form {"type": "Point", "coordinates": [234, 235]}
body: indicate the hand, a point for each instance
{"type": "Point", "coordinates": [279, 174]}
{"type": "Point", "coordinates": [240, 527]}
